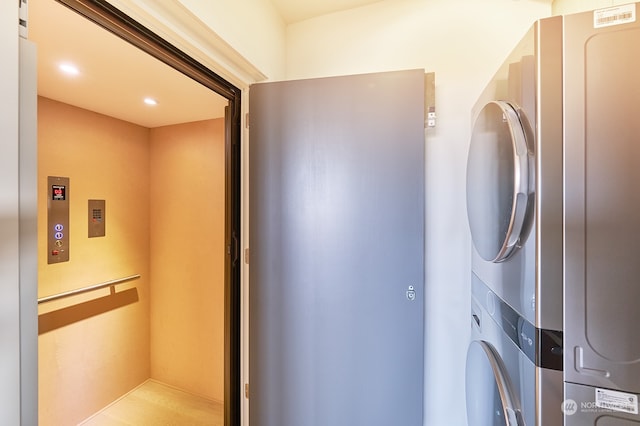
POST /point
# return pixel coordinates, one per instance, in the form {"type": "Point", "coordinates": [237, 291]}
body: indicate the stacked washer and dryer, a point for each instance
{"type": "Point", "coordinates": [553, 202]}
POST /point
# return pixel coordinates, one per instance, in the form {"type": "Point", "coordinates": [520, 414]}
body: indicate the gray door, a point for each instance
{"type": "Point", "coordinates": [337, 251]}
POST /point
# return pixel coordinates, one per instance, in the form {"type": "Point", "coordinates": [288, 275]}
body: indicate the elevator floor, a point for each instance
{"type": "Point", "coordinates": [154, 403]}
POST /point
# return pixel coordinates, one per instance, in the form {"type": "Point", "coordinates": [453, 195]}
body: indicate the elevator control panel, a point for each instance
{"type": "Point", "coordinates": [57, 219]}
{"type": "Point", "coordinates": [97, 218]}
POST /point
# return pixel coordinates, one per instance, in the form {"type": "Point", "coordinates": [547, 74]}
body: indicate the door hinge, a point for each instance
{"type": "Point", "coordinates": [246, 390]}
{"type": "Point", "coordinates": [430, 100]}
{"type": "Point", "coordinates": [246, 256]}
{"type": "Point", "coordinates": [23, 18]}
{"type": "Point", "coordinates": [246, 120]}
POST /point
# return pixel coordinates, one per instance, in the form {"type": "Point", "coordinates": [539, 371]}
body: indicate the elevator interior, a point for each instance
{"type": "Point", "coordinates": [162, 184]}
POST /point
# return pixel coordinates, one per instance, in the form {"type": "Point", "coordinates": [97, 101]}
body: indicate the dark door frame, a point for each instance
{"type": "Point", "coordinates": [115, 21]}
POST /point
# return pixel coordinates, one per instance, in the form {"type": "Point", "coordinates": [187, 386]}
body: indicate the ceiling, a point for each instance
{"type": "Point", "coordinates": [114, 76]}
{"type": "Point", "coordinates": [299, 10]}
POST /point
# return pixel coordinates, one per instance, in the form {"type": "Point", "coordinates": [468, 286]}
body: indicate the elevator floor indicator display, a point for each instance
{"type": "Point", "coordinates": [58, 192]}
{"type": "Point", "coordinates": [58, 219]}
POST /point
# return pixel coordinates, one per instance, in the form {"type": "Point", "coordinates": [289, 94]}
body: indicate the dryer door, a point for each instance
{"type": "Point", "coordinates": [491, 400]}
{"type": "Point", "coordinates": [500, 181]}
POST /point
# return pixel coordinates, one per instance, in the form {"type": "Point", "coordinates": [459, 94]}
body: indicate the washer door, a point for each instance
{"type": "Point", "coordinates": [500, 181]}
{"type": "Point", "coordinates": [490, 397]}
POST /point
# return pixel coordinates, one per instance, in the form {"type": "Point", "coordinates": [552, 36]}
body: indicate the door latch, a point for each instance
{"type": "Point", "coordinates": [411, 293]}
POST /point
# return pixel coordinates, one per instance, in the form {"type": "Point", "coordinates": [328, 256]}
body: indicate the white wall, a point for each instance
{"type": "Point", "coordinates": [563, 7]}
{"type": "Point", "coordinates": [9, 247]}
{"type": "Point", "coordinates": [253, 27]}
{"type": "Point", "coordinates": [463, 42]}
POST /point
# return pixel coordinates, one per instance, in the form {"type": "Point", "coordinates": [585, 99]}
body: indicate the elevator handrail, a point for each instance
{"type": "Point", "coordinates": [87, 289]}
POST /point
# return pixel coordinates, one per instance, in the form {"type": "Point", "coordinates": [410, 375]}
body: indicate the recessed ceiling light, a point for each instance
{"type": "Point", "coordinates": [69, 69]}
{"type": "Point", "coordinates": [150, 101]}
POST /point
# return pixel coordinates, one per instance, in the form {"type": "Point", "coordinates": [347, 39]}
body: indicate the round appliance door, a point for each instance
{"type": "Point", "coordinates": [489, 394]}
{"type": "Point", "coordinates": [499, 181]}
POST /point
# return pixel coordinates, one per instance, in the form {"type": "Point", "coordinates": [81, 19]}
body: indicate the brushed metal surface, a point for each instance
{"type": "Point", "coordinates": [337, 236]}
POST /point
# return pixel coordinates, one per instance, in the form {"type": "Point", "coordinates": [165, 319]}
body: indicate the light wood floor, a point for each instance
{"type": "Point", "coordinates": [156, 404]}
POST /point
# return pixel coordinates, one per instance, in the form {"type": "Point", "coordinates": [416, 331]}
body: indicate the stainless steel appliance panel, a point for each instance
{"type": "Point", "coordinates": [602, 201]}
{"type": "Point", "coordinates": [581, 408]}
{"type": "Point", "coordinates": [504, 384]}
{"type": "Point", "coordinates": [528, 280]}
{"type": "Point", "coordinates": [530, 80]}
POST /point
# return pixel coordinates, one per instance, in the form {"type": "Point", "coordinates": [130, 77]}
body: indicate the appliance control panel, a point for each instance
{"type": "Point", "coordinates": [57, 219]}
